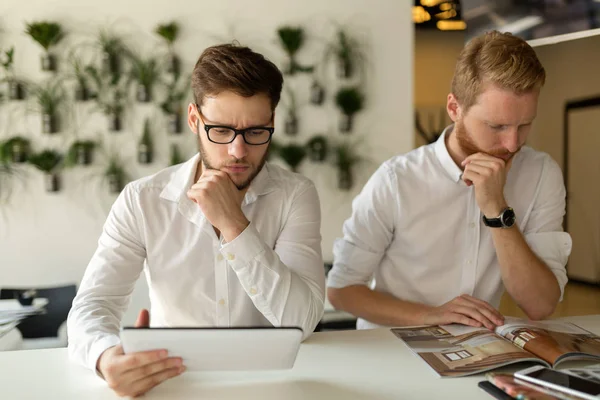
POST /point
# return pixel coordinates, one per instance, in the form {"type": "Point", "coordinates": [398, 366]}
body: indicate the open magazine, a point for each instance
{"type": "Point", "coordinates": [458, 350]}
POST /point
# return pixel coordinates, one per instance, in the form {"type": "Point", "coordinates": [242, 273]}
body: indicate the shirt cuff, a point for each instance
{"type": "Point", "coordinates": [98, 348]}
{"type": "Point", "coordinates": [244, 248]}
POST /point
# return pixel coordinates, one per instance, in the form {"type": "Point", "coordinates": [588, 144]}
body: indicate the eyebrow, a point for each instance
{"type": "Point", "coordinates": [213, 123]}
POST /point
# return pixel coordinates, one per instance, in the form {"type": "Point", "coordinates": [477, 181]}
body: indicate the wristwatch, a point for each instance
{"type": "Point", "coordinates": [506, 219]}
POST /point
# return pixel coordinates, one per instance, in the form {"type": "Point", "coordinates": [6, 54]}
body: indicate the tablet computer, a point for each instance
{"type": "Point", "coordinates": [220, 349]}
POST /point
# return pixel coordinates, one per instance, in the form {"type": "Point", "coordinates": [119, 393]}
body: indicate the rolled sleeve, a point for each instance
{"type": "Point", "coordinates": [553, 248]}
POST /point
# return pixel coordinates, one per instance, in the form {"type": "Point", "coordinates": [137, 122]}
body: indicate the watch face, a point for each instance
{"type": "Point", "coordinates": [508, 217]}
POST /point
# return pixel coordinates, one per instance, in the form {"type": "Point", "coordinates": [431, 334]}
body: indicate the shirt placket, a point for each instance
{"type": "Point", "coordinates": [471, 250]}
{"type": "Point", "coordinates": [221, 286]}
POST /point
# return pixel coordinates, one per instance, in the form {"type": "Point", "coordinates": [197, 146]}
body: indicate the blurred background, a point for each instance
{"type": "Point", "coordinates": [95, 95]}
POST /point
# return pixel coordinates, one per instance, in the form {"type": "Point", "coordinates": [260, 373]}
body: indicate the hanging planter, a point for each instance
{"type": "Point", "coordinates": [16, 90]}
{"type": "Point", "coordinates": [18, 149]}
{"type": "Point", "coordinates": [80, 153]}
{"type": "Point", "coordinates": [348, 55]}
{"type": "Point", "coordinates": [50, 96]}
{"type": "Point", "coordinates": [145, 147]}
{"type": "Point", "coordinates": [48, 162]}
{"type": "Point", "coordinates": [176, 157]}
{"type": "Point", "coordinates": [169, 33]}
{"type": "Point", "coordinates": [345, 159]}
{"type": "Point", "coordinates": [174, 125]}
{"type": "Point", "coordinates": [52, 182]}
{"type": "Point", "coordinates": [82, 92]}
{"type": "Point", "coordinates": [344, 67]}
{"type": "Point", "coordinates": [291, 40]}
{"type": "Point", "coordinates": [146, 73]}
{"type": "Point", "coordinates": [317, 93]}
{"type": "Point", "coordinates": [345, 179]}
{"type": "Point", "coordinates": [349, 101]}
{"type": "Point", "coordinates": [50, 123]}
{"type": "Point", "coordinates": [291, 124]}
{"type": "Point", "coordinates": [293, 155]}
{"type": "Point", "coordinates": [114, 174]}
{"type": "Point", "coordinates": [111, 47]}
{"type": "Point", "coordinates": [143, 94]}
{"type": "Point", "coordinates": [317, 148]}
{"type": "Point", "coordinates": [47, 34]}
{"type": "Point", "coordinates": [115, 122]}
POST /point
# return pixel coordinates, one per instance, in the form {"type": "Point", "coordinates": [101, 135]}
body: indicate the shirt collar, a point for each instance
{"type": "Point", "coordinates": [441, 151]}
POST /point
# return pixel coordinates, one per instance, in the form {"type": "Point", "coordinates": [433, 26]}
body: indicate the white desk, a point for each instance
{"type": "Point", "coordinates": [348, 365]}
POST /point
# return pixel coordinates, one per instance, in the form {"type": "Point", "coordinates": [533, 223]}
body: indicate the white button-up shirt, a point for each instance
{"type": "Point", "coordinates": [272, 274]}
{"type": "Point", "coordinates": [416, 231]}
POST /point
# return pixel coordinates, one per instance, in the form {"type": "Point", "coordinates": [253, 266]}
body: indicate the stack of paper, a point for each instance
{"type": "Point", "coordinates": [12, 312]}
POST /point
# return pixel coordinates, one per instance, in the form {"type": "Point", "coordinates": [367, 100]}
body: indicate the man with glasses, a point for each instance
{"type": "Point", "coordinates": [224, 239]}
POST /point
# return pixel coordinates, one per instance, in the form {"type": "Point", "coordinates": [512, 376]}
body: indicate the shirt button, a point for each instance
{"type": "Point", "coordinates": [252, 290]}
{"type": "Point", "coordinates": [219, 257]}
{"type": "Point", "coordinates": [221, 302]}
{"type": "Point", "coordinates": [230, 256]}
{"type": "Point", "coordinates": [469, 262]}
{"type": "Point", "coordinates": [472, 225]}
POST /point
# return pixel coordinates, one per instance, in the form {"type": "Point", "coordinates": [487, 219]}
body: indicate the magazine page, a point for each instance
{"type": "Point", "coordinates": [553, 341]}
{"type": "Point", "coordinates": [458, 350]}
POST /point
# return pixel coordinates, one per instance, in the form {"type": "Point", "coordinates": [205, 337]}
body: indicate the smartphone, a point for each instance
{"type": "Point", "coordinates": [561, 382]}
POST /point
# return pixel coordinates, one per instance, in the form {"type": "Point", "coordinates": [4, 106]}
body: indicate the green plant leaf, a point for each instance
{"type": "Point", "coordinates": [168, 32]}
{"type": "Point", "coordinates": [350, 100]}
{"type": "Point", "coordinates": [46, 33]}
{"type": "Point", "coordinates": [46, 161]}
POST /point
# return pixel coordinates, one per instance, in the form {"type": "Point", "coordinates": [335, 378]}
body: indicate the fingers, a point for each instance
{"type": "Point", "coordinates": [139, 359]}
{"type": "Point", "coordinates": [143, 319]}
{"type": "Point", "coordinates": [487, 308]}
{"type": "Point", "coordinates": [475, 314]}
{"type": "Point", "coordinates": [143, 385]}
{"type": "Point", "coordinates": [462, 319]}
{"type": "Point", "coordinates": [483, 157]}
{"type": "Point", "coordinates": [152, 369]}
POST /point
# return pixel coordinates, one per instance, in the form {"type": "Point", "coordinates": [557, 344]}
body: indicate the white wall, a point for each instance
{"type": "Point", "coordinates": [48, 239]}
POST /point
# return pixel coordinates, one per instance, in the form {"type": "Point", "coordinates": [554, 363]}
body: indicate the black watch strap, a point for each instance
{"type": "Point", "coordinates": [492, 222]}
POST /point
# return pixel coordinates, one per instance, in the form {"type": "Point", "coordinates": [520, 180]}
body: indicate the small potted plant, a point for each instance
{"type": "Point", "coordinates": [48, 161]}
{"type": "Point", "coordinates": [16, 88]}
{"type": "Point", "coordinates": [81, 76]}
{"type": "Point", "coordinates": [146, 73]}
{"type": "Point", "coordinates": [145, 147]}
{"type": "Point", "coordinates": [176, 157]}
{"type": "Point", "coordinates": [169, 33]}
{"type": "Point", "coordinates": [350, 101]}
{"type": "Point", "coordinates": [50, 97]}
{"type": "Point", "coordinates": [318, 148]}
{"type": "Point", "coordinates": [273, 149]}
{"type": "Point", "coordinates": [115, 174]}
{"type": "Point", "coordinates": [112, 49]}
{"type": "Point", "coordinates": [292, 39]}
{"type": "Point", "coordinates": [111, 96]}
{"type": "Point", "coordinates": [348, 54]}
{"type": "Point", "coordinates": [292, 154]}
{"type": "Point", "coordinates": [17, 149]}
{"type": "Point", "coordinates": [317, 93]}
{"type": "Point", "coordinates": [81, 152]}
{"type": "Point", "coordinates": [291, 119]}
{"type": "Point", "coordinates": [172, 105]}
{"type": "Point", "coordinates": [47, 34]}
{"type": "Point", "coordinates": [345, 159]}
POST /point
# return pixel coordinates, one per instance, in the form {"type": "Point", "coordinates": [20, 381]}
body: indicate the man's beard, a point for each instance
{"type": "Point", "coordinates": [254, 170]}
{"type": "Point", "coordinates": [468, 147]}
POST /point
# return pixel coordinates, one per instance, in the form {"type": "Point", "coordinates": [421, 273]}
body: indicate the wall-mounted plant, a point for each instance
{"type": "Point", "coordinates": [273, 149]}
{"type": "Point", "coordinates": [47, 34]}
{"type": "Point", "coordinates": [111, 96]}
{"type": "Point", "coordinates": [146, 72]}
{"type": "Point", "coordinates": [8, 172]}
{"type": "Point", "coordinates": [114, 173]}
{"type": "Point", "coordinates": [49, 162]}
{"type": "Point", "coordinates": [290, 125]}
{"type": "Point", "coordinates": [349, 100]}
{"type": "Point", "coordinates": [81, 152]}
{"type": "Point", "coordinates": [169, 33]}
{"type": "Point", "coordinates": [172, 106]}
{"type": "Point", "coordinates": [317, 93]}
{"type": "Point", "coordinates": [176, 157]}
{"type": "Point", "coordinates": [292, 154]}
{"type": "Point", "coordinates": [112, 50]}
{"type": "Point", "coordinates": [292, 39]}
{"type": "Point", "coordinates": [16, 87]}
{"type": "Point", "coordinates": [145, 147]}
{"type": "Point", "coordinates": [318, 148]}
{"type": "Point", "coordinates": [348, 54]}
{"type": "Point", "coordinates": [346, 157]}
{"type": "Point", "coordinates": [80, 73]}
{"type": "Point", "coordinates": [16, 149]}
{"type": "Point", "coordinates": [50, 97]}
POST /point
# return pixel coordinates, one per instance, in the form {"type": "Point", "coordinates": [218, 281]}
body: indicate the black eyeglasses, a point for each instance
{"type": "Point", "coordinates": [221, 134]}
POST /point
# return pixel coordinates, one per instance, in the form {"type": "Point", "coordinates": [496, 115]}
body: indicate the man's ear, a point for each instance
{"type": "Point", "coordinates": [453, 108]}
{"type": "Point", "coordinates": [193, 120]}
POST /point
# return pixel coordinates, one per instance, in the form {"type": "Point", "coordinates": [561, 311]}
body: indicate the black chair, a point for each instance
{"type": "Point", "coordinates": [47, 324]}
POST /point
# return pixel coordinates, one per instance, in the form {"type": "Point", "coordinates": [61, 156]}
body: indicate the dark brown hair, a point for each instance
{"type": "Point", "coordinates": [230, 67]}
{"type": "Point", "coordinates": [498, 58]}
